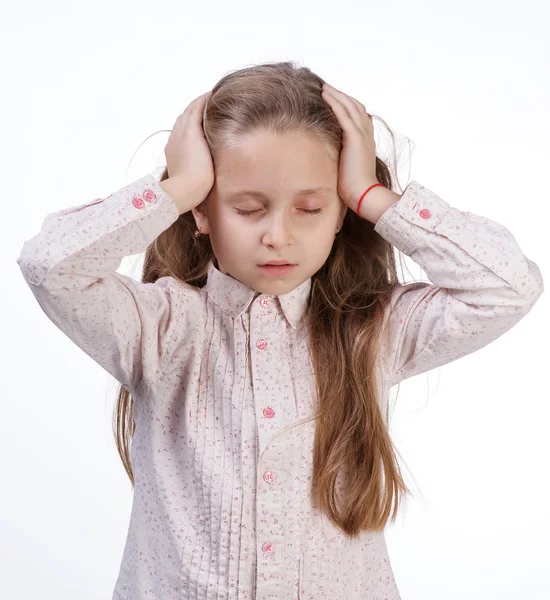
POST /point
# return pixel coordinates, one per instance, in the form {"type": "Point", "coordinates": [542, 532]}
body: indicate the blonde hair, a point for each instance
{"type": "Point", "coordinates": [345, 314]}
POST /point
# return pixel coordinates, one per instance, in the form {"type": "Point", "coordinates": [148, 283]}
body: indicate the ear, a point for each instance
{"type": "Point", "coordinates": [343, 211]}
{"type": "Point", "coordinates": [200, 213]}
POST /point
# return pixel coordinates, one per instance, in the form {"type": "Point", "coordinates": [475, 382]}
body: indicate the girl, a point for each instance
{"type": "Point", "coordinates": [256, 396]}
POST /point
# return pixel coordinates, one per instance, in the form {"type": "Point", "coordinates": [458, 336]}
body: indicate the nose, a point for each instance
{"type": "Point", "coordinates": [278, 232]}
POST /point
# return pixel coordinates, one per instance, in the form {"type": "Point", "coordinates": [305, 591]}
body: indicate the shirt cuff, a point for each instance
{"type": "Point", "coordinates": [407, 222]}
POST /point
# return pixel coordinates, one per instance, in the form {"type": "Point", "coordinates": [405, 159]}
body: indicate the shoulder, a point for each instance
{"type": "Point", "coordinates": [182, 294]}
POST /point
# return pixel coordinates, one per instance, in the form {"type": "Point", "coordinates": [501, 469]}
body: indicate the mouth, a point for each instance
{"type": "Point", "coordinates": [276, 269]}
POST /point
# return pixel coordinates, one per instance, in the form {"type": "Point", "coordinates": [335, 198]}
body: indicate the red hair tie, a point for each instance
{"type": "Point", "coordinates": [365, 193]}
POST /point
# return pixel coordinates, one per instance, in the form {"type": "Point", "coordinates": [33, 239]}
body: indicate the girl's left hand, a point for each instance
{"type": "Point", "coordinates": [357, 167]}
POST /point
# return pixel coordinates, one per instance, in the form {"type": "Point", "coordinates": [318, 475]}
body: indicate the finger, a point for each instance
{"type": "Point", "coordinates": [190, 113]}
{"type": "Point", "coordinates": [359, 105]}
{"type": "Point", "coordinates": [346, 101]}
{"type": "Point", "coordinates": [344, 117]}
{"type": "Point", "coordinates": [355, 108]}
{"type": "Point", "coordinates": [367, 118]}
{"type": "Point", "coordinates": [368, 126]}
{"type": "Point", "coordinates": [195, 105]}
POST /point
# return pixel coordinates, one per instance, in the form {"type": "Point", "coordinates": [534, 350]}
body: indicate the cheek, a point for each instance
{"type": "Point", "coordinates": [223, 222]}
{"type": "Point", "coordinates": [232, 235]}
{"type": "Point", "coordinates": [323, 229]}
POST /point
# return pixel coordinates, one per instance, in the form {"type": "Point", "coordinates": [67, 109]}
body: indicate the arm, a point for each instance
{"type": "Point", "coordinates": [482, 283]}
{"type": "Point", "coordinates": [70, 266]}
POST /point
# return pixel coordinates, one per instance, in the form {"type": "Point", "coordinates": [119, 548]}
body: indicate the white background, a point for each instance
{"type": "Point", "coordinates": [468, 83]}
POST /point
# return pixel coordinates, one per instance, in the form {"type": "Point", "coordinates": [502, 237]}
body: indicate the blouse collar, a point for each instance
{"type": "Point", "coordinates": [234, 297]}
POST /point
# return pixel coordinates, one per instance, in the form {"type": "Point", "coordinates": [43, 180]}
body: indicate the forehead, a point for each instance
{"type": "Point", "coordinates": [266, 162]}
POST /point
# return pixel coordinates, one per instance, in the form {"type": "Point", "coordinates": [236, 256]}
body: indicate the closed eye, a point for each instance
{"type": "Point", "coordinates": [250, 212]}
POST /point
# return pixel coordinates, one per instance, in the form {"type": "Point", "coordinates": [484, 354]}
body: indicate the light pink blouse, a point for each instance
{"type": "Point", "coordinates": [223, 388]}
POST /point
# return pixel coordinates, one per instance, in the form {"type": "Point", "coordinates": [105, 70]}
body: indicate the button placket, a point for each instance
{"type": "Point", "coordinates": [264, 301]}
{"type": "Point", "coordinates": [268, 548]}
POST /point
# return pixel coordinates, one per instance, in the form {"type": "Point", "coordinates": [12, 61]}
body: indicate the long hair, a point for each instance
{"type": "Point", "coordinates": [345, 313]}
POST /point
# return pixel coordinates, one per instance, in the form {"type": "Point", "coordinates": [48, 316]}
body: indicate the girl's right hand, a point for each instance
{"type": "Point", "coordinates": [188, 158]}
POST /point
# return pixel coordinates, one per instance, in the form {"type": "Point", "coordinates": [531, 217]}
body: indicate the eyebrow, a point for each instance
{"type": "Point", "coordinates": [258, 194]}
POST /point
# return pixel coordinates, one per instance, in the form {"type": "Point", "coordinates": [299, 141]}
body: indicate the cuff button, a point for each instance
{"type": "Point", "coordinates": [425, 213]}
{"type": "Point", "coordinates": [138, 202]}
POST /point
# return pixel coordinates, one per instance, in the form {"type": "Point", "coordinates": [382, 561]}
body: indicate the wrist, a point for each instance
{"type": "Point", "coordinates": [376, 202]}
{"type": "Point", "coordinates": [182, 194]}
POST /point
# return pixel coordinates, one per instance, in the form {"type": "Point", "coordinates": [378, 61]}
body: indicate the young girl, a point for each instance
{"type": "Point", "coordinates": [256, 396]}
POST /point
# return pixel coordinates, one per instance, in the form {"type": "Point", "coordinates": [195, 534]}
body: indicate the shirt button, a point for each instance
{"type": "Point", "coordinates": [269, 412]}
{"type": "Point", "coordinates": [261, 344]}
{"type": "Point", "coordinates": [267, 548]}
{"type": "Point", "coordinates": [265, 301]}
{"type": "Point", "coordinates": [269, 476]}
{"type": "Point", "coordinates": [138, 202]}
{"type": "Point", "coordinates": [150, 196]}
{"type": "Point", "coordinates": [425, 213]}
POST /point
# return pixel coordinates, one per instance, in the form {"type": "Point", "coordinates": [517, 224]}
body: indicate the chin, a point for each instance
{"type": "Point", "coordinates": [278, 286]}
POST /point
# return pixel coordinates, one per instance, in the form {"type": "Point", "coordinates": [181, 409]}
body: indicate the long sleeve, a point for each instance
{"type": "Point", "coordinates": [482, 283]}
{"type": "Point", "coordinates": [70, 266]}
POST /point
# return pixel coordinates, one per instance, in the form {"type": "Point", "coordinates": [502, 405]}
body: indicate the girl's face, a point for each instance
{"type": "Point", "coordinates": [278, 225]}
